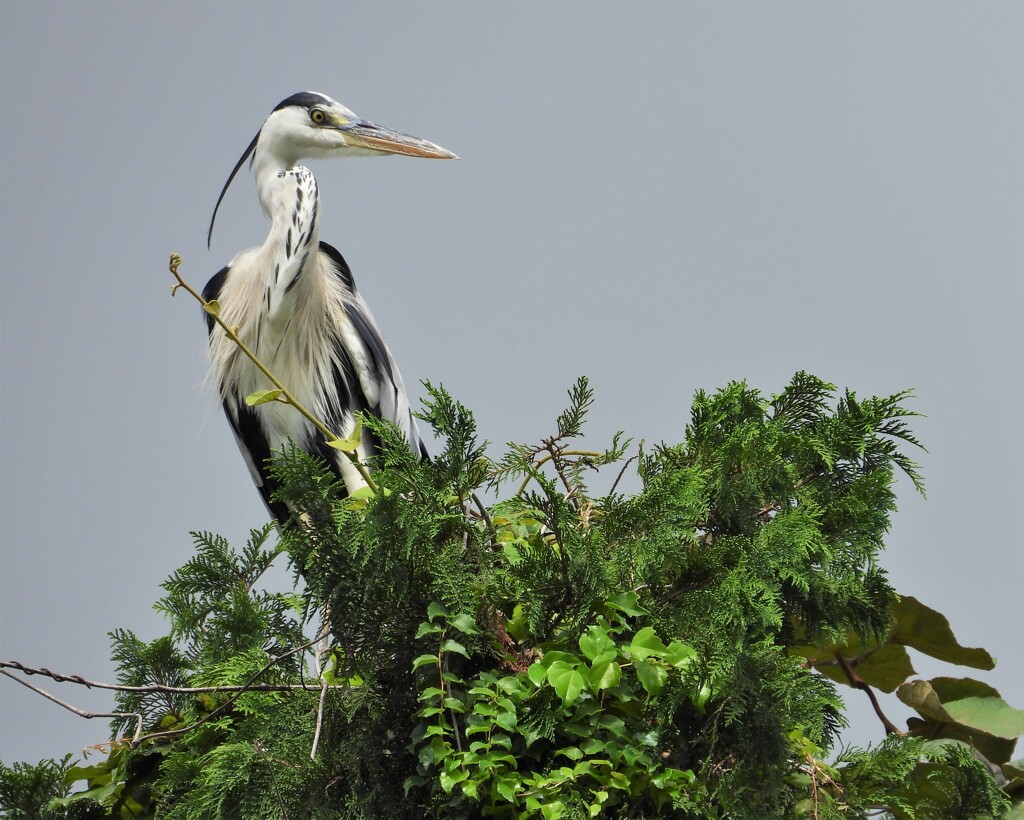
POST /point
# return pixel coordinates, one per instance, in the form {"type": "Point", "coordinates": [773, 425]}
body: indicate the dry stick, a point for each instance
{"type": "Point", "coordinates": [622, 472]}
{"type": "Point", "coordinates": [273, 778]}
{"type": "Point", "coordinates": [245, 687]}
{"type": "Point", "coordinates": [80, 712]}
{"type": "Point", "coordinates": [249, 686]}
{"type": "Point", "coordinates": [286, 397]}
{"type": "Point", "coordinates": [154, 688]}
{"type": "Point", "coordinates": [321, 650]}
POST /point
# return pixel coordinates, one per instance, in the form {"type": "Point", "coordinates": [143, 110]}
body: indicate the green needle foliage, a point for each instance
{"type": "Point", "coordinates": [674, 652]}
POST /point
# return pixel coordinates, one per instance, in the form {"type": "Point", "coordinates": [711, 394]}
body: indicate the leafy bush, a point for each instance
{"type": "Point", "coordinates": [558, 654]}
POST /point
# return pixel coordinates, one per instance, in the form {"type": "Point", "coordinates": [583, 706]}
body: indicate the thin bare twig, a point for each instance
{"type": "Point", "coordinates": [81, 712]}
{"type": "Point", "coordinates": [245, 688]}
{"type": "Point", "coordinates": [622, 472]}
{"type": "Point", "coordinates": [237, 691]}
{"type": "Point", "coordinates": [153, 688]}
{"type": "Point", "coordinates": [857, 682]}
{"type": "Point", "coordinates": [273, 778]}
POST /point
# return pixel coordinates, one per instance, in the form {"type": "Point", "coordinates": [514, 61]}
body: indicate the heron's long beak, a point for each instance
{"type": "Point", "coordinates": [362, 134]}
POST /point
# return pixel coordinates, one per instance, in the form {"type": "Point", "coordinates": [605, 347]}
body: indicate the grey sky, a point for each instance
{"type": "Point", "coordinates": [664, 197]}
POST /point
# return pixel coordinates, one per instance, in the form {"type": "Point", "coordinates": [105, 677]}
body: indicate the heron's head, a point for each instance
{"type": "Point", "coordinates": [310, 125]}
{"type": "Point", "coordinates": [313, 126]}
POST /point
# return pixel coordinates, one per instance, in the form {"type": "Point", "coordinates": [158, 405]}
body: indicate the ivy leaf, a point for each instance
{"type": "Point", "coordinates": [646, 644]}
{"type": "Point", "coordinates": [435, 611]}
{"type": "Point", "coordinates": [680, 655]}
{"type": "Point", "coordinates": [465, 623]}
{"type": "Point", "coordinates": [454, 646]}
{"type": "Point", "coordinates": [604, 674]}
{"type": "Point", "coordinates": [652, 676]}
{"type": "Point", "coordinates": [628, 603]}
{"type": "Point", "coordinates": [537, 673]}
{"type": "Point", "coordinates": [595, 643]}
{"type": "Point", "coordinates": [567, 681]}
{"type": "Point", "coordinates": [423, 660]}
{"type": "Point", "coordinates": [426, 628]}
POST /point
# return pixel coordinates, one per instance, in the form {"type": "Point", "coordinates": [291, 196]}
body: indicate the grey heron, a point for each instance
{"type": "Point", "coordinates": [295, 304]}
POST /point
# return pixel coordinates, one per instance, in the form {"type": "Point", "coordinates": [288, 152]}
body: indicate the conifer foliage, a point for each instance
{"type": "Point", "coordinates": [670, 652]}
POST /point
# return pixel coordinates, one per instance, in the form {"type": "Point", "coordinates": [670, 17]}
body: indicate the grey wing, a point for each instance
{"type": "Point", "coordinates": [392, 401]}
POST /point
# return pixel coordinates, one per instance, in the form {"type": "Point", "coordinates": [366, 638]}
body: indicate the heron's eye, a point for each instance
{"type": "Point", "coordinates": [317, 116]}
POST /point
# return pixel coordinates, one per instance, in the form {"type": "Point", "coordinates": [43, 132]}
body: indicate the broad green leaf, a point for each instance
{"type": "Point", "coordinates": [980, 712]}
{"type": "Point", "coordinates": [596, 642]}
{"type": "Point", "coordinates": [628, 603]}
{"type": "Point", "coordinates": [506, 788]}
{"type": "Point", "coordinates": [928, 631]}
{"type": "Point", "coordinates": [884, 668]}
{"type": "Point", "coordinates": [424, 660]}
{"type": "Point", "coordinates": [566, 680]}
{"type": "Point", "coordinates": [604, 674]}
{"type": "Point", "coordinates": [262, 396]}
{"type": "Point", "coordinates": [680, 654]}
{"type": "Point", "coordinates": [537, 673]}
{"type": "Point", "coordinates": [465, 623]}
{"type": "Point", "coordinates": [212, 307]}
{"type": "Point", "coordinates": [516, 625]}
{"type": "Point", "coordinates": [449, 645]}
{"type": "Point", "coordinates": [435, 611]}
{"type": "Point", "coordinates": [652, 676]}
{"type": "Point", "coordinates": [507, 721]}
{"type": "Point", "coordinates": [646, 644]}
{"type": "Point", "coordinates": [512, 555]}
{"type": "Point", "coordinates": [564, 657]}
{"type": "Point", "coordinates": [992, 715]}
{"type": "Point", "coordinates": [613, 724]}
{"type": "Point", "coordinates": [428, 629]}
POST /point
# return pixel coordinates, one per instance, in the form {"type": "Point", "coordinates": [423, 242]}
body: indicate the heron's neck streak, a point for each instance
{"type": "Point", "coordinates": [288, 195]}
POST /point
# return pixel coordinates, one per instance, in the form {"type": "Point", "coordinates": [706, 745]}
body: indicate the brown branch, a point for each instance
{"type": "Point", "coordinates": [622, 472]}
{"type": "Point", "coordinates": [155, 688]}
{"type": "Point", "coordinates": [273, 778]}
{"type": "Point", "coordinates": [246, 687]}
{"type": "Point", "coordinates": [857, 682]}
{"type": "Point", "coordinates": [237, 691]}
{"type": "Point", "coordinates": [81, 712]}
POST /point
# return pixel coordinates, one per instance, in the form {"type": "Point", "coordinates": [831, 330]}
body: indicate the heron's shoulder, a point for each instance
{"type": "Point", "coordinates": [336, 264]}
{"type": "Point", "coordinates": [216, 284]}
